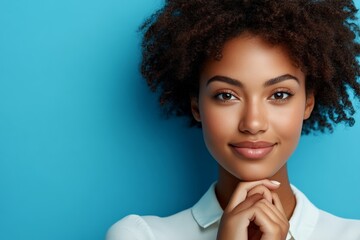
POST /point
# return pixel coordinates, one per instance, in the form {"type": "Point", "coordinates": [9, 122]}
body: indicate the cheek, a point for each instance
{"type": "Point", "coordinates": [287, 123]}
{"type": "Point", "coordinates": [218, 123]}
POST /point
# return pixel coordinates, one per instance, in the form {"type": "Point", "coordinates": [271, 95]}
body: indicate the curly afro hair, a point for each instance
{"type": "Point", "coordinates": [319, 36]}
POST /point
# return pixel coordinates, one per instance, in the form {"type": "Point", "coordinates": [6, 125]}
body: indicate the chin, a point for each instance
{"type": "Point", "coordinates": [253, 176]}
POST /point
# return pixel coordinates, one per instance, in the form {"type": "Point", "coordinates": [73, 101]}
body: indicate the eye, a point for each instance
{"type": "Point", "coordinates": [281, 96]}
{"type": "Point", "coordinates": [225, 96]}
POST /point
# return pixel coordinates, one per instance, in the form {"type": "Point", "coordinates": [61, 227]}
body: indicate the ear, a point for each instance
{"type": "Point", "coordinates": [310, 103]}
{"type": "Point", "coordinates": [195, 108]}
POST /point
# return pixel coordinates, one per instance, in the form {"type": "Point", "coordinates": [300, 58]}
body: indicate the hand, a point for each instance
{"type": "Point", "coordinates": [253, 213]}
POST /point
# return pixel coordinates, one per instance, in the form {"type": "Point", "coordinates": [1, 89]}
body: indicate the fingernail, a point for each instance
{"type": "Point", "coordinates": [275, 182]}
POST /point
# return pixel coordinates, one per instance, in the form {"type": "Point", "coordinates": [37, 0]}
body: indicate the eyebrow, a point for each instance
{"type": "Point", "coordinates": [237, 83]}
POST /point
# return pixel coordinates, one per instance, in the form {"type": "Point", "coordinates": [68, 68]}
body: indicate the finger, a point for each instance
{"type": "Point", "coordinates": [257, 200]}
{"type": "Point", "coordinates": [278, 205]}
{"type": "Point", "coordinates": [274, 214]}
{"type": "Point", "coordinates": [247, 203]}
{"type": "Point", "coordinates": [268, 228]}
{"type": "Point", "coordinates": [261, 189]}
{"type": "Point", "coordinates": [232, 224]}
{"type": "Point", "coordinates": [241, 221]}
{"type": "Point", "coordinates": [269, 223]}
{"type": "Point", "coordinates": [242, 189]}
{"type": "Point", "coordinates": [272, 211]}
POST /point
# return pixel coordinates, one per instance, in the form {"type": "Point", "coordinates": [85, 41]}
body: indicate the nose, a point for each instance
{"type": "Point", "coordinates": [254, 118]}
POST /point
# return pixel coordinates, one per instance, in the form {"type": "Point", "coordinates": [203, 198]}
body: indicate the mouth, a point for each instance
{"type": "Point", "coordinates": [253, 150]}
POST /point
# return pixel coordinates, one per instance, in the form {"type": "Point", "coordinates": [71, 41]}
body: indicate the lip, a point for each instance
{"type": "Point", "coordinates": [253, 150]}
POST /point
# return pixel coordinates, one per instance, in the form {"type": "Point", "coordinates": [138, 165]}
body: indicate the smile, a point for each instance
{"type": "Point", "coordinates": [253, 150]}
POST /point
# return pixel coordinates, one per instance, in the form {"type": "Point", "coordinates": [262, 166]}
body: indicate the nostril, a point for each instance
{"type": "Point", "coordinates": [253, 118]}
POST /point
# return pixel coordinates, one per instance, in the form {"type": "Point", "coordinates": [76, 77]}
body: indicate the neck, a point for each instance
{"type": "Point", "coordinates": [227, 183]}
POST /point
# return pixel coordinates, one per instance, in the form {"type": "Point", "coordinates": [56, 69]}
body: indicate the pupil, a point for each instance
{"type": "Point", "coordinates": [227, 96]}
{"type": "Point", "coordinates": [279, 95]}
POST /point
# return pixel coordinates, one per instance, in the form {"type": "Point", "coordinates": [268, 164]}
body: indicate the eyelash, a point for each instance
{"type": "Point", "coordinates": [282, 100]}
{"type": "Point", "coordinates": [222, 93]}
{"type": "Point", "coordinates": [220, 96]}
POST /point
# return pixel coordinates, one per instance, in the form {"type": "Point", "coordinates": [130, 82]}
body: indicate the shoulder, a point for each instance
{"type": "Point", "coordinates": [134, 227]}
{"type": "Point", "coordinates": [330, 226]}
{"type": "Point", "coordinates": [196, 223]}
{"type": "Point", "coordinates": [310, 222]}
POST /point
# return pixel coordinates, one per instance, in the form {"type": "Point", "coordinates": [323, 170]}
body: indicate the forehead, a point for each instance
{"type": "Point", "coordinates": [249, 57]}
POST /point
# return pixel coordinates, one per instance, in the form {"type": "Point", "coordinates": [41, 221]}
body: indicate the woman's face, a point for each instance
{"type": "Point", "coordinates": [251, 105]}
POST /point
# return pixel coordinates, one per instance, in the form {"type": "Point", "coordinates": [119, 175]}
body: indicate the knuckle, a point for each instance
{"type": "Point", "coordinates": [262, 203]}
{"type": "Point", "coordinates": [277, 230]}
{"type": "Point", "coordinates": [257, 208]}
{"type": "Point", "coordinates": [261, 187]}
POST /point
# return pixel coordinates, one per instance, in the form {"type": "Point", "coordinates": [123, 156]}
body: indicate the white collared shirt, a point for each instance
{"type": "Point", "coordinates": [201, 222]}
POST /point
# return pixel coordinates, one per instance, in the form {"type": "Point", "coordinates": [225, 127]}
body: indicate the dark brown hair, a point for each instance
{"type": "Point", "coordinates": [319, 36]}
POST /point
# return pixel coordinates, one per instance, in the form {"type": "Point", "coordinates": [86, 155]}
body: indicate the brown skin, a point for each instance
{"type": "Point", "coordinates": [252, 109]}
{"type": "Point", "coordinates": [227, 184]}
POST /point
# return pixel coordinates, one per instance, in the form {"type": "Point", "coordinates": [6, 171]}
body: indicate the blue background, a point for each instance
{"type": "Point", "coordinates": [82, 140]}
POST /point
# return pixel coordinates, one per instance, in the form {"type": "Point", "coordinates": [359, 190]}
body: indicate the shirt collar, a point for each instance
{"type": "Point", "coordinates": [304, 218]}
{"type": "Point", "coordinates": [208, 211]}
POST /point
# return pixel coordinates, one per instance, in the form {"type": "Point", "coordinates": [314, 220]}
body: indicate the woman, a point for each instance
{"type": "Point", "coordinates": [253, 75]}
